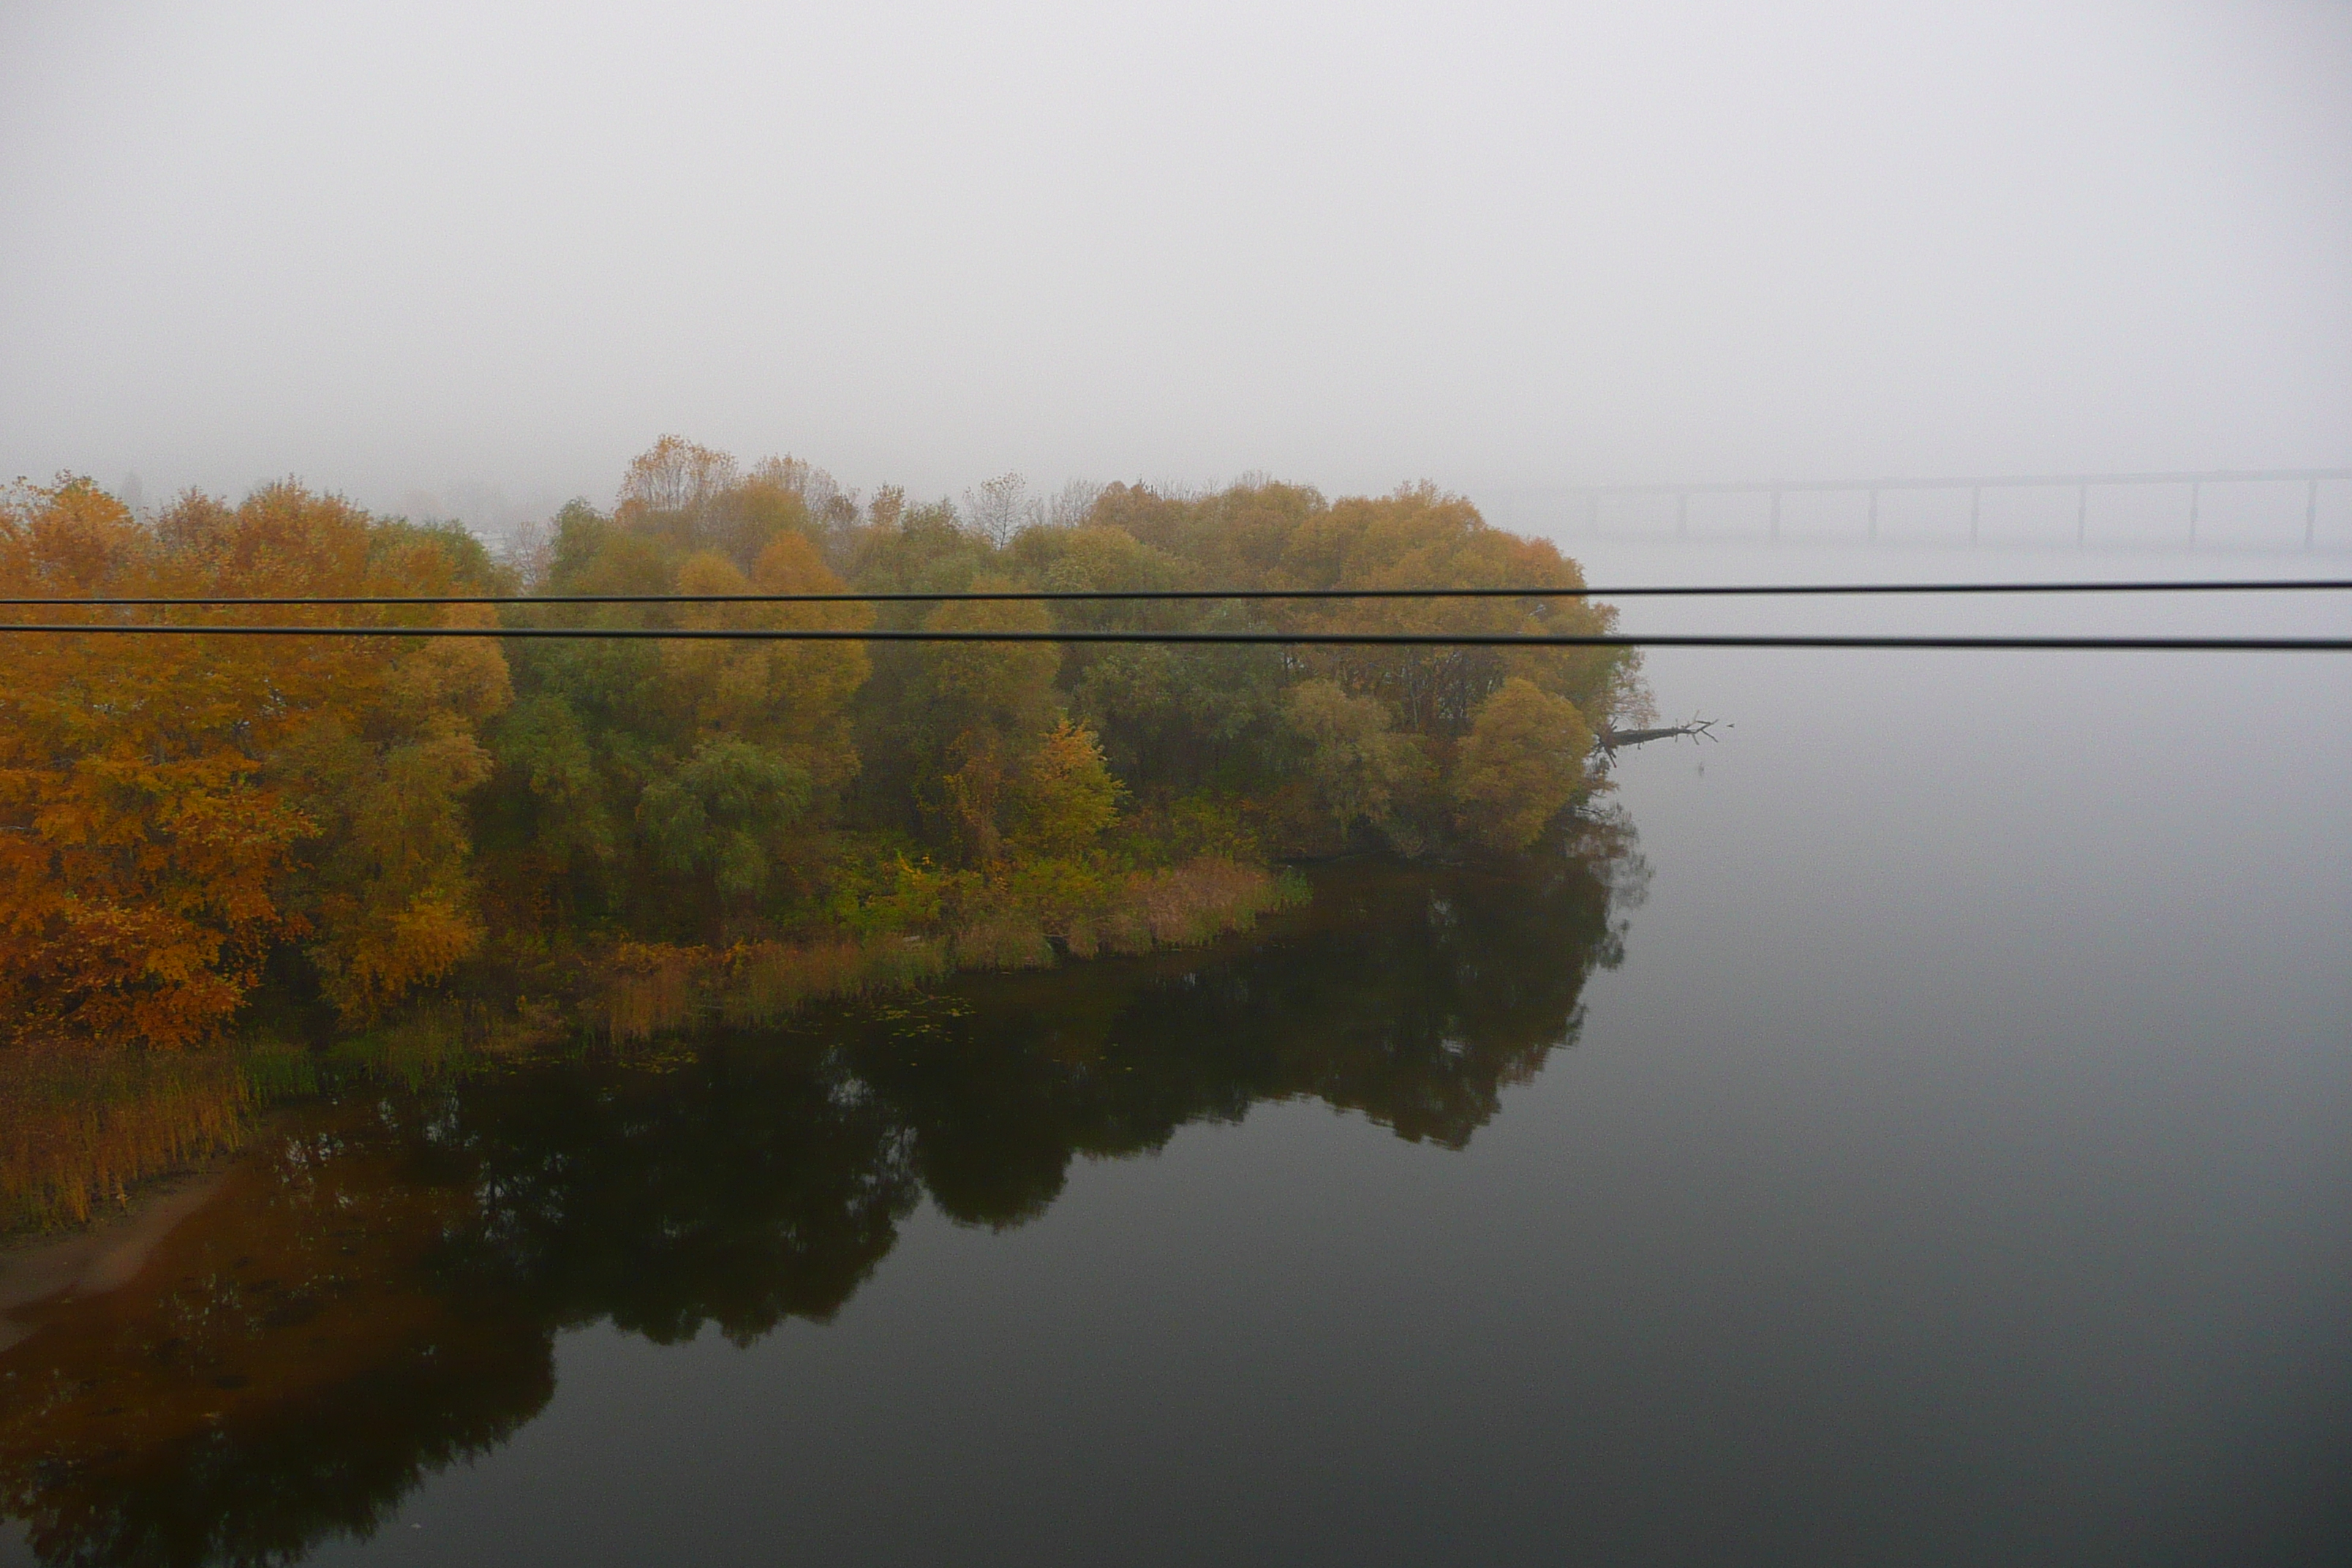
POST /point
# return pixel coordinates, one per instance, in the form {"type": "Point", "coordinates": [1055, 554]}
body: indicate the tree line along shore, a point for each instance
{"type": "Point", "coordinates": [199, 832]}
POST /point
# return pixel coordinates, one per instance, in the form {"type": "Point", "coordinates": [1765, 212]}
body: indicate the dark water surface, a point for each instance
{"type": "Point", "coordinates": [1930, 1141]}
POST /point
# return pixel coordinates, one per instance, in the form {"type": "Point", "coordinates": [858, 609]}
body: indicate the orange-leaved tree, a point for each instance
{"type": "Point", "coordinates": [171, 805]}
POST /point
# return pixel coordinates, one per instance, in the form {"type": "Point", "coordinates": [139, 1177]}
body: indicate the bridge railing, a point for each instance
{"type": "Point", "coordinates": [1587, 508]}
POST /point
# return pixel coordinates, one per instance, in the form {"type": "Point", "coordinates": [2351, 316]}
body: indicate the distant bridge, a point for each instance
{"type": "Point", "coordinates": [1603, 510]}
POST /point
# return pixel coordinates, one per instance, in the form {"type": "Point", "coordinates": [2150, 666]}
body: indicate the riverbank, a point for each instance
{"type": "Point", "coordinates": [103, 1258]}
{"type": "Point", "coordinates": [89, 1136]}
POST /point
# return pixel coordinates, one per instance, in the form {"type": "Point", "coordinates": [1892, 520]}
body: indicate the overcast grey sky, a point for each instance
{"type": "Point", "coordinates": [419, 248]}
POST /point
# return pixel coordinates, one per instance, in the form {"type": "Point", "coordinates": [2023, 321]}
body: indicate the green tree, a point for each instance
{"type": "Point", "coordinates": [1361, 769]}
{"type": "Point", "coordinates": [544, 744]}
{"type": "Point", "coordinates": [726, 817]}
{"type": "Point", "coordinates": [983, 708]}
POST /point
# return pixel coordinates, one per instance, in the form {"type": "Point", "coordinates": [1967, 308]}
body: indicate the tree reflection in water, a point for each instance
{"type": "Point", "coordinates": [377, 1289]}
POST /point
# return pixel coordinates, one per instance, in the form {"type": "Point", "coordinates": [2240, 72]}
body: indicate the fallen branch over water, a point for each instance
{"type": "Point", "coordinates": [1607, 742]}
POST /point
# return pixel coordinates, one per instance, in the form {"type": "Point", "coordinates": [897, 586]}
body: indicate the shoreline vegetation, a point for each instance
{"type": "Point", "coordinates": [656, 989]}
{"type": "Point", "coordinates": [229, 873]}
{"type": "Point", "coordinates": [86, 1133]}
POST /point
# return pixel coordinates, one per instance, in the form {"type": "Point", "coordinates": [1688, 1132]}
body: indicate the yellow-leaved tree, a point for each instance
{"type": "Point", "coordinates": [1420, 537]}
{"type": "Point", "coordinates": [789, 698]}
{"type": "Point", "coordinates": [139, 849]}
{"type": "Point", "coordinates": [1068, 798]}
{"type": "Point", "coordinates": [1522, 762]}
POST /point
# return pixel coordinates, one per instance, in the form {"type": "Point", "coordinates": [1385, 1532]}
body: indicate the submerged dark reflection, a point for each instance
{"type": "Point", "coordinates": [376, 1291]}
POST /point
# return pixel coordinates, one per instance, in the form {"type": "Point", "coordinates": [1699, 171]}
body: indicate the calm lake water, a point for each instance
{"type": "Point", "coordinates": [1923, 1134]}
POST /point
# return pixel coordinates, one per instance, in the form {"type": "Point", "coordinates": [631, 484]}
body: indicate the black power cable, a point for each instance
{"type": "Point", "coordinates": [1049, 595]}
{"type": "Point", "coordinates": [1313, 639]}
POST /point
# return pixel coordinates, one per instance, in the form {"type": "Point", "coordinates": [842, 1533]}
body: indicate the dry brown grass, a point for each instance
{"type": "Point", "coordinates": [654, 987]}
{"type": "Point", "coordinates": [1007, 941]}
{"type": "Point", "coordinates": [1182, 907]}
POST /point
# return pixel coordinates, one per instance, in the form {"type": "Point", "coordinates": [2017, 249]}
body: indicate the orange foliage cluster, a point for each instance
{"type": "Point", "coordinates": [170, 806]}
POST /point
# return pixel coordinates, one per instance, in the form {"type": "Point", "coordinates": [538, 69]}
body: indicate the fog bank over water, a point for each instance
{"type": "Point", "coordinates": [469, 259]}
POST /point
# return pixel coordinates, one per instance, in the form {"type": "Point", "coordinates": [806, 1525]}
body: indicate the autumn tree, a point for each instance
{"type": "Point", "coordinates": [1067, 796]}
{"type": "Point", "coordinates": [382, 752]}
{"type": "Point", "coordinates": [1360, 768]}
{"type": "Point", "coordinates": [175, 804]}
{"type": "Point", "coordinates": [140, 851]}
{"type": "Point", "coordinates": [1522, 762]}
{"type": "Point", "coordinates": [985, 706]}
{"type": "Point", "coordinates": [388, 895]}
{"type": "Point", "coordinates": [1420, 537]}
{"type": "Point", "coordinates": [675, 478]}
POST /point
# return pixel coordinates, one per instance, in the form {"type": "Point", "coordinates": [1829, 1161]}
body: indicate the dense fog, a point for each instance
{"type": "Point", "coordinates": [463, 261]}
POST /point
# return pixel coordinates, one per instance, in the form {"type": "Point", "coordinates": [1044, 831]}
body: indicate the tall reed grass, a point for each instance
{"type": "Point", "coordinates": [80, 1129]}
{"type": "Point", "coordinates": [1183, 906]}
{"type": "Point", "coordinates": [656, 989]}
{"type": "Point", "coordinates": [771, 979]}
